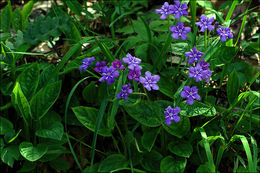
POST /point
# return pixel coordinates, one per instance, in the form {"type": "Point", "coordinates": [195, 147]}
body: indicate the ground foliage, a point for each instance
{"type": "Point", "coordinates": [150, 106]}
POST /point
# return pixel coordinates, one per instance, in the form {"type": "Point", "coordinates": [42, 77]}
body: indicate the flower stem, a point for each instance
{"type": "Point", "coordinates": [206, 39]}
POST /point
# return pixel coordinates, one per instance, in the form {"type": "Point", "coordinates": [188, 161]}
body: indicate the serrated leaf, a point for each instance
{"type": "Point", "coordinates": [88, 117]}
{"type": "Point", "coordinates": [32, 153]}
{"type": "Point", "coordinates": [112, 163]}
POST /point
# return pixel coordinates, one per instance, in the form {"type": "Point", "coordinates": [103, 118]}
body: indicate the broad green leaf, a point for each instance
{"type": "Point", "coordinates": [145, 112]}
{"type": "Point", "coordinates": [21, 104]}
{"type": "Point", "coordinates": [88, 117]}
{"type": "Point", "coordinates": [179, 129]}
{"type": "Point", "coordinates": [75, 6]}
{"type": "Point", "coordinates": [54, 151]}
{"type": "Point", "coordinates": [196, 109]}
{"type": "Point", "coordinates": [151, 161]}
{"type": "Point", "coordinates": [17, 20]}
{"type": "Point", "coordinates": [224, 54]}
{"type": "Point", "coordinates": [170, 164]}
{"type": "Point", "coordinates": [181, 148]}
{"type": "Point", "coordinates": [44, 99]}
{"type": "Point", "coordinates": [90, 93]}
{"type": "Point", "coordinates": [53, 131]}
{"type": "Point", "coordinates": [204, 168]}
{"type": "Point", "coordinates": [206, 4]}
{"type": "Point", "coordinates": [149, 137]}
{"type": "Point", "coordinates": [214, 46]}
{"type": "Point", "coordinates": [29, 80]}
{"type": "Point", "coordinates": [5, 19]}
{"type": "Point", "coordinates": [27, 167]}
{"type": "Point", "coordinates": [26, 11]}
{"type": "Point", "coordinates": [5, 125]}
{"type": "Point", "coordinates": [179, 48]}
{"type": "Point", "coordinates": [10, 154]}
{"type": "Point", "coordinates": [112, 163]}
{"type": "Point", "coordinates": [32, 153]}
{"type": "Point", "coordinates": [45, 74]}
{"type": "Point", "coordinates": [59, 164]}
{"type": "Point", "coordinates": [232, 86]}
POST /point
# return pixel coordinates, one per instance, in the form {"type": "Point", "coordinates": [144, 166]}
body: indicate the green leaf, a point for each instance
{"type": "Point", "coordinates": [53, 131]}
{"type": "Point", "coordinates": [27, 167]}
{"type": "Point", "coordinates": [151, 161]}
{"type": "Point", "coordinates": [113, 163]}
{"type": "Point", "coordinates": [149, 137]}
{"type": "Point", "coordinates": [5, 125]}
{"type": "Point", "coordinates": [59, 164]}
{"type": "Point", "coordinates": [5, 19]}
{"type": "Point", "coordinates": [21, 104]}
{"type": "Point", "coordinates": [17, 20]}
{"type": "Point", "coordinates": [90, 93]}
{"type": "Point", "coordinates": [29, 80]}
{"type": "Point", "coordinates": [170, 164]}
{"type": "Point", "coordinates": [10, 154]}
{"type": "Point", "coordinates": [206, 4]}
{"type": "Point", "coordinates": [32, 153]}
{"type": "Point", "coordinates": [224, 54]}
{"type": "Point", "coordinates": [196, 109]}
{"type": "Point", "coordinates": [179, 129]}
{"type": "Point", "coordinates": [44, 99]}
{"type": "Point", "coordinates": [179, 48]}
{"type": "Point", "coordinates": [75, 6]}
{"type": "Point", "coordinates": [232, 86]}
{"type": "Point", "coordinates": [88, 117]}
{"type": "Point", "coordinates": [45, 74]}
{"type": "Point", "coordinates": [181, 148]}
{"type": "Point", "coordinates": [26, 11]}
{"type": "Point", "coordinates": [145, 112]}
{"type": "Point", "coordinates": [54, 151]}
{"type": "Point", "coordinates": [204, 168]}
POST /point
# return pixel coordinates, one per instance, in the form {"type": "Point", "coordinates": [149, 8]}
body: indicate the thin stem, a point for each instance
{"type": "Point", "coordinates": [122, 138]}
{"type": "Point", "coordinates": [206, 39]}
{"type": "Point", "coordinates": [6, 106]}
{"type": "Point", "coordinates": [115, 144]}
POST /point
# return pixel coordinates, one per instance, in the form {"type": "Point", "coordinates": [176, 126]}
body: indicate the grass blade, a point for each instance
{"type": "Point", "coordinates": [231, 10]}
{"type": "Point", "coordinates": [98, 123]}
{"type": "Point", "coordinates": [66, 118]}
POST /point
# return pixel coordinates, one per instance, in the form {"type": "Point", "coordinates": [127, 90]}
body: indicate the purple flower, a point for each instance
{"type": "Point", "coordinates": [133, 62]}
{"type": "Point", "coordinates": [86, 62]}
{"type": "Point", "coordinates": [165, 10]}
{"type": "Point", "coordinates": [117, 64]}
{"type": "Point", "coordinates": [224, 33]}
{"type": "Point", "coordinates": [197, 73]}
{"type": "Point", "coordinates": [204, 65]}
{"type": "Point", "coordinates": [109, 74]}
{"type": "Point", "coordinates": [190, 93]}
{"type": "Point", "coordinates": [150, 81]}
{"type": "Point", "coordinates": [179, 31]}
{"type": "Point", "coordinates": [134, 74]}
{"type": "Point", "coordinates": [216, 24]}
{"type": "Point", "coordinates": [99, 66]}
{"type": "Point", "coordinates": [125, 91]}
{"type": "Point", "coordinates": [171, 114]}
{"type": "Point", "coordinates": [194, 55]}
{"type": "Point", "coordinates": [179, 9]}
{"type": "Point", "coordinates": [205, 23]}
{"type": "Point", "coordinates": [207, 74]}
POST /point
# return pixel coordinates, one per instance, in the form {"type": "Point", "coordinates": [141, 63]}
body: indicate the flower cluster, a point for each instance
{"type": "Point", "coordinates": [190, 93]}
{"type": "Point", "coordinates": [180, 31]}
{"type": "Point", "coordinates": [194, 55]}
{"type": "Point", "coordinates": [178, 9]}
{"type": "Point", "coordinates": [224, 33]}
{"type": "Point", "coordinates": [86, 62]}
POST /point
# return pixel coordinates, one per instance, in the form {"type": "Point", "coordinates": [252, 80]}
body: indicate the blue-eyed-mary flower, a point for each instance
{"type": "Point", "coordinates": [86, 62]}
{"type": "Point", "coordinates": [134, 74]}
{"type": "Point", "coordinates": [205, 23]}
{"type": "Point", "coordinates": [190, 93]}
{"type": "Point", "coordinates": [171, 114]}
{"type": "Point", "coordinates": [150, 81]}
{"type": "Point", "coordinates": [179, 9]}
{"type": "Point", "coordinates": [224, 33]}
{"type": "Point", "coordinates": [194, 55]}
{"type": "Point", "coordinates": [197, 73]}
{"type": "Point", "coordinates": [125, 91]}
{"type": "Point", "coordinates": [165, 10]}
{"type": "Point", "coordinates": [109, 74]}
{"type": "Point", "coordinates": [117, 64]}
{"type": "Point", "coordinates": [132, 62]}
{"type": "Point", "coordinates": [99, 66]}
{"type": "Point", "coordinates": [179, 31]}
